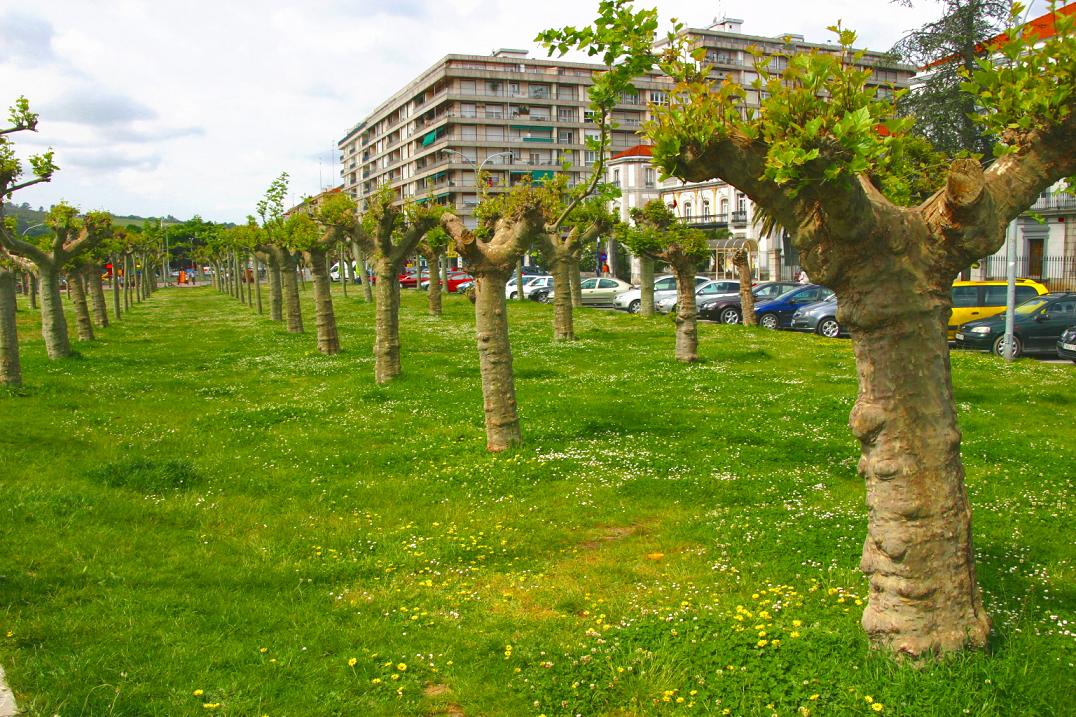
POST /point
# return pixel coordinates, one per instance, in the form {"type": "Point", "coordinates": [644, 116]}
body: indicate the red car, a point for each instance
{"type": "Point", "coordinates": [455, 278]}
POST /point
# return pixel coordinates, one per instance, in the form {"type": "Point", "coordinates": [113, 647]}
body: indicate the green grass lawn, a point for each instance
{"type": "Point", "coordinates": [202, 515]}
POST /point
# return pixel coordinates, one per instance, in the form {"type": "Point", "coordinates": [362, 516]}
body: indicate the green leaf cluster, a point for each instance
{"type": "Point", "coordinates": [658, 233]}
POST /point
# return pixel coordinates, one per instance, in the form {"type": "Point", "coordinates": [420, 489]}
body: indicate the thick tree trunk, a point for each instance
{"type": "Point", "coordinates": [288, 273]}
{"type": "Point", "coordinates": [687, 336]}
{"type": "Point", "coordinates": [324, 318]}
{"type": "Point", "coordinates": [495, 361]}
{"type": "Point", "coordinates": [747, 299]}
{"type": "Point", "coordinates": [76, 281]}
{"type": "Point", "coordinates": [924, 596]}
{"type": "Point", "coordinates": [53, 322]}
{"type": "Point", "coordinates": [519, 280]}
{"type": "Point", "coordinates": [10, 370]}
{"type": "Point", "coordinates": [276, 299]}
{"type": "Point", "coordinates": [387, 326]}
{"type": "Point", "coordinates": [646, 286]}
{"type": "Point", "coordinates": [128, 277]}
{"type": "Point", "coordinates": [33, 291]}
{"type": "Point", "coordinates": [563, 325]}
{"type": "Point", "coordinates": [97, 291]}
{"type": "Point", "coordinates": [573, 277]}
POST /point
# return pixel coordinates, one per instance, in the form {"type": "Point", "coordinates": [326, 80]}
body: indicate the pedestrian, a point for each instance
{"type": "Point", "coordinates": [803, 277]}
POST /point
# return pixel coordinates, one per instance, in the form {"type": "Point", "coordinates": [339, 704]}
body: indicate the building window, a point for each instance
{"type": "Point", "coordinates": [687, 210]}
{"type": "Point", "coordinates": [616, 177]}
{"type": "Point", "coordinates": [659, 98]}
{"type": "Point", "coordinates": [651, 177]}
{"type": "Point", "coordinates": [539, 92]}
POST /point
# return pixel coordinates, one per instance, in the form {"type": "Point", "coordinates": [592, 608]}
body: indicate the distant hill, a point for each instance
{"type": "Point", "coordinates": [28, 218]}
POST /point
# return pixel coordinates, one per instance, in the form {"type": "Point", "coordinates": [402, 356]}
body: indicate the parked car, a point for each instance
{"type": "Point", "coordinates": [455, 279]}
{"type": "Point", "coordinates": [534, 271]}
{"type": "Point", "coordinates": [980, 299]}
{"type": "Point", "coordinates": [530, 283]}
{"type": "Point", "coordinates": [1066, 345]}
{"type": "Point", "coordinates": [630, 301]}
{"type": "Point", "coordinates": [777, 313]}
{"type": "Point", "coordinates": [597, 291]}
{"type": "Point", "coordinates": [727, 308]}
{"type": "Point", "coordinates": [355, 274]}
{"type": "Point", "coordinates": [709, 289]}
{"type": "Point", "coordinates": [1037, 326]}
{"type": "Point", "coordinates": [821, 318]}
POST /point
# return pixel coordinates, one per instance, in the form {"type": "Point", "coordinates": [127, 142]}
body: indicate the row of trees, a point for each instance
{"type": "Point", "coordinates": [75, 249]}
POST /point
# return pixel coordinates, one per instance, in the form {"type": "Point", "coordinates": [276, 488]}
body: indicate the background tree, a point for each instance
{"type": "Point", "coordinates": [315, 231]}
{"type": "Point", "coordinates": [71, 237]}
{"type": "Point", "coordinates": [283, 261]}
{"type": "Point", "coordinates": [432, 248]}
{"type": "Point", "coordinates": [20, 119]}
{"type": "Point", "coordinates": [659, 236]}
{"type": "Point", "coordinates": [949, 49]}
{"type": "Point", "coordinates": [879, 218]}
{"type": "Point", "coordinates": [393, 233]}
{"type": "Point", "coordinates": [564, 241]}
{"type": "Point", "coordinates": [76, 271]}
{"type": "Point", "coordinates": [741, 259]}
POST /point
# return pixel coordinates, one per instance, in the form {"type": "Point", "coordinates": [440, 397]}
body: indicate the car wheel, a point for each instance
{"type": "Point", "coordinates": [999, 346]}
{"type": "Point", "coordinates": [829, 328]}
{"type": "Point", "coordinates": [729, 315]}
{"type": "Point", "coordinates": [768, 321]}
{"type": "Point", "coordinates": [633, 307]}
{"type": "Point", "coordinates": [513, 295]}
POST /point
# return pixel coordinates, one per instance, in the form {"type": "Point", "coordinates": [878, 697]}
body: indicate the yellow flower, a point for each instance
{"type": "Point", "coordinates": [813, 697]}
{"type": "Point", "coordinates": [402, 667]}
{"type": "Point", "coordinates": [352, 662]}
{"type": "Point", "coordinates": [877, 707]}
{"type": "Point", "coordinates": [211, 705]}
{"type": "Point", "coordinates": [376, 681]}
{"type": "Point", "coordinates": [395, 675]}
{"type": "Point", "coordinates": [868, 699]}
{"type": "Point", "coordinates": [761, 643]}
{"type": "Point", "coordinates": [797, 623]}
{"type": "Point", "coordinates": [263, 650]}
{"type": "Point", "coordinates": [198, 693]}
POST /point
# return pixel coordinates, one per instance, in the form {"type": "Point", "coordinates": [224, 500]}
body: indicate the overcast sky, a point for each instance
{"type": "Point", "coordinates": [191, 107]}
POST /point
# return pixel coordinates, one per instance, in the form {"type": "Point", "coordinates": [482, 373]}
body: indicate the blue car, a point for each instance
{"type": "Point", "coordinates": [777, 314]}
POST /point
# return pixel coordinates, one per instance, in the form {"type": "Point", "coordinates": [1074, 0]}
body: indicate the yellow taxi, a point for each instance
{"type": "Point", "coordinates": [979, 299]}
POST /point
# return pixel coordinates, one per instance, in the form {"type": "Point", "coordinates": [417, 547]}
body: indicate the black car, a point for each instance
{"type": "Point", "coordinates": [1066, 345]}
{"type": "Point", "coordinates": [1037, 326]}
{"type": "Point", "coordinates": [727, 310]}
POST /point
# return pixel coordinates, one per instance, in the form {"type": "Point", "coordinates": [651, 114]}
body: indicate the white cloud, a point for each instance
{"type": "Point", "coordinates": [194, 107]}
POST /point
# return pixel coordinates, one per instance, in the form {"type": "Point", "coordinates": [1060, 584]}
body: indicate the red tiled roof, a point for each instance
{"type": "Point", "coordinates": [1042, 27]}
{"type": "Point", "coordinates": [639, 150]}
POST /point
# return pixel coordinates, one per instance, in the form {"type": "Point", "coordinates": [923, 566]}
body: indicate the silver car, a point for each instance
{"type": "Point", "coordinates": [597, 291]}
{"type": "Point", "coordinates": [530, 285]}
{"type": "Point", "coordinates": [712, 288]}
{"type": "Point", "coordinates": [664, 286]}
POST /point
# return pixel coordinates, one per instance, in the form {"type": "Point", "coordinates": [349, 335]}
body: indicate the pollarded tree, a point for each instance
{"type": "Point", "coordinates": [21, 119]}
{"type": "Point", "coordinates": [879, 220]}
{"type": "Point", "coordinates": [509, 224]}
{"type": "Point", "coordinates": [283, 262]}
{"type": "Point", "coordinates": [315, 231]}
{"type": "Point", "coordinates": [76, 271]}
{"type": "Point", "coordinates": [563, 244]}
{"type": "Point", "coordinates": [659, 236]}
{"type": "Point", "coordinates": [432, 248]}
{"type": "Point", "coordinates": [393, 233]}
{"type": "Point", "coordinates": [71, 236]}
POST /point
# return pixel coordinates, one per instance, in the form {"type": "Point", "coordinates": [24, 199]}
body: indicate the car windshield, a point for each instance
{"type": "Point", "coordinates": [1031, 306]}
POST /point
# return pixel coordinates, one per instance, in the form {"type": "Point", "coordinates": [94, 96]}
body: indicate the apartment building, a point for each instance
{"type": "Point", "coordinates": [514, 118]}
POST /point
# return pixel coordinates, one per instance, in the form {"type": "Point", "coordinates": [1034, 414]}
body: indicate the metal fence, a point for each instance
{"type": "Point", "coordinates": [1058, 273]}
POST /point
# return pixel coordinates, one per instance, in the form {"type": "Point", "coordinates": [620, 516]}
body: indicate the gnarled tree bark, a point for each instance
{"type": "Point", "coordinates": [324, 317]}
{"type": "Point", "coordinates": [10, 369]}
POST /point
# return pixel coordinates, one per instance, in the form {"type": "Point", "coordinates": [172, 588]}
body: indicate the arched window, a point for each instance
{"type": "Point", "coordinates": [705, 207]}
{"type": "Point", "coordinates": [687, 209]}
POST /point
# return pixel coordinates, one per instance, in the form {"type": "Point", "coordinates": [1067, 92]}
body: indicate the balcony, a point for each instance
{"type": "Point", "coordinates": [707, 221]}
{"type": "Point", "coordinates": [739, 218]}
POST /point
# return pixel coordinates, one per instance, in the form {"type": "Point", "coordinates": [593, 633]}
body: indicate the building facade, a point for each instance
{"type": "Point", "coordinates": [513, 118]}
